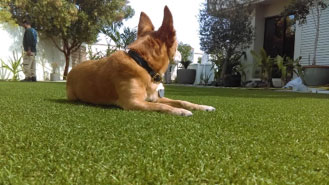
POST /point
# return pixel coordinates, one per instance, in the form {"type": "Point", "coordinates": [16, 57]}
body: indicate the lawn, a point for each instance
{"type": "Point", "coordinates": [254, 137]}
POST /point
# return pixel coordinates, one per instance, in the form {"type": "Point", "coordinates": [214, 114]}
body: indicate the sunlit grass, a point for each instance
{"type": "Point", "coordinates": [254, 136]}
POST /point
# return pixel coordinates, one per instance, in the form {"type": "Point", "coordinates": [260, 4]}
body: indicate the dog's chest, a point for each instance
{"type": "Point", "coordinates": [155, 91]}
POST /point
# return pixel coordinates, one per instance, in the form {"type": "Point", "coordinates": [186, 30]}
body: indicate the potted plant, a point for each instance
{"type": "Point", "coordinates": [314, 74]}
{"type": "Point", "coordinates": [266, 64]}
{"type": "Point", "coordinates": [185, 75]}
{"type": "Point", "coordinates": [54, 75]}
{"type": "Point", "coordinates": [288, 67]}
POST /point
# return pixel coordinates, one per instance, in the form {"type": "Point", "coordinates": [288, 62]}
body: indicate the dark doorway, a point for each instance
{"type": "Point", "coordinates": [279, 38]}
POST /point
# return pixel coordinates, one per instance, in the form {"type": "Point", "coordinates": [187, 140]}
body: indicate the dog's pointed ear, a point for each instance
{"type": "Point", "coordinates": [145, 25]}
{"type": "Point", "coordinates": [167, 32]}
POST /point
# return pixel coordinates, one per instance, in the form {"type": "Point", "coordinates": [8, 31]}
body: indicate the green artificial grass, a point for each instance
{"type": "Point", "coordinates": [254, 137]}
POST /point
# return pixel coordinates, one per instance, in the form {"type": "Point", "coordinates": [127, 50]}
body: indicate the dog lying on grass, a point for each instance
{"type": "Point", "coordinates": [133, 80]}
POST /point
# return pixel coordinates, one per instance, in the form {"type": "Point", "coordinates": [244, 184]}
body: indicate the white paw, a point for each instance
{"type": "Point", "coordinates": [182, 112]}
{"type": "Point", "coordinates": [208, 108]}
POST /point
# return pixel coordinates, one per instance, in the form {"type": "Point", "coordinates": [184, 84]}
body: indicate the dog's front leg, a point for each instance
{"type": "Point", "coordinates": [151, 106]}
{"type": "Point", "coordinates": [185, 104]}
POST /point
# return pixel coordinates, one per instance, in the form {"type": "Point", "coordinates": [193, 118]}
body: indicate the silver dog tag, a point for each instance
{"type": "Point", "coordinates": [160, 90]}
{"type": "Point", "coordinates": [161, 93]}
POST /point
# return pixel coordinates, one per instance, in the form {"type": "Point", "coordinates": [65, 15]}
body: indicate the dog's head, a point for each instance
{"type": "Point", "coordinates": [156, 47]}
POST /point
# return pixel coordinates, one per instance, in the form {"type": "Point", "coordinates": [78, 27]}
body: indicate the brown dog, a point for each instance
{"type": "Point", "coordinates": [130, 80]}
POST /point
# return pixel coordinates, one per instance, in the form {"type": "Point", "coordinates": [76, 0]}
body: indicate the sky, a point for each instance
{"type": "Point", "coordinates": [185, 14]}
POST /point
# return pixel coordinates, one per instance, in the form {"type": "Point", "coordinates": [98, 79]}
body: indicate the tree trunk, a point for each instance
{"type": "Point", "coordinates": [67, 64]}
{"type": "Point", "coordinates": [223, 73]}
{"type": "Point", "coordinates": [267, 74]}
{"type": "Point", "coordinates": [269, 79]}
{"type": "Point", "coordinates": [317, 31]}
{"type": "Point", "coordinates": [67, 50]}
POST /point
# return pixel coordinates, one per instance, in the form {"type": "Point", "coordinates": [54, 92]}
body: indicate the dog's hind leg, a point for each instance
{"type": "Point", "coordinates": [70, 94]}
{"type": "Point", "coordinates": [185, 104]}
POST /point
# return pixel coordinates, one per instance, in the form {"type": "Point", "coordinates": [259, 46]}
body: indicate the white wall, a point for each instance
{"type": "Point", "coordinates": [204, 72]}
{"type": "Point", "coordinates": [274, 7]}
{"type": "Point", "coordinates": [258, 21]}
{"type": "Point", "coordinates": [9, 35]}
{"type": "Point", "coordinates": [304, 40]}
{"type": "Point", "coordinates": [11, 40]}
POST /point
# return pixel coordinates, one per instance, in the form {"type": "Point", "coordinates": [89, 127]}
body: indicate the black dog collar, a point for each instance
{"type": "Point", "coordinates": [156, 77]}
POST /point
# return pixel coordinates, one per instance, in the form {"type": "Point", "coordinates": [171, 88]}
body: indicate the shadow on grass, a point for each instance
{"type": "Point", "coordinates": [65, 101]}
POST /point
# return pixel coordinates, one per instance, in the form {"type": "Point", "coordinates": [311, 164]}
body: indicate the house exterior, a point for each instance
{"type": "Point", "coordinates": [281, 36]}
